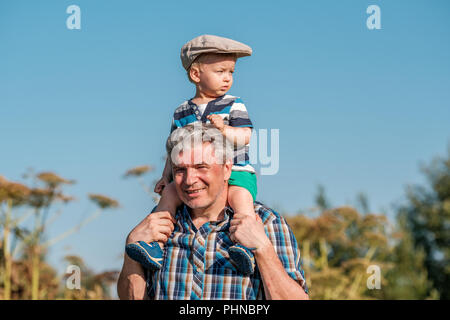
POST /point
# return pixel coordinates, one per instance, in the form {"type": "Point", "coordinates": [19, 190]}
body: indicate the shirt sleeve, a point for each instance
{"type": "Point", "coordinates": [239, 115]}
{"type": "Point", "coordinates": [286, 247]}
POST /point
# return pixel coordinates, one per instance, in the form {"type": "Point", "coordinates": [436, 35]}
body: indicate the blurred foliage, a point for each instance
{"type": "Point", "coordinates": [340, 244]}
{"type": "Point", "coordinates": [427, 217]}
{"type": "Point", "coordinates": [24, 273]}
{"type": "Point", "coordinates": [138, 171]}
{"type": "Point", "coordinates": [103, 201]}
{"type": "Point", "coordinates": [413, 252]}
{"type": "Point", "coordinates": [337, 248]}
{"type": "Point", "coordinates": [93, 286]}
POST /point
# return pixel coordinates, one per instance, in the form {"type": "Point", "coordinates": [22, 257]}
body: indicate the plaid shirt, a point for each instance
{"type": "Point", "coordinates": [196, 263]}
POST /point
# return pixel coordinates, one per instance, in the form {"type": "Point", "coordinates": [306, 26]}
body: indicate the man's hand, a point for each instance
{"type": "Point", "coordinates": [278, 285]}
{"type": "Point", "coordinates": [216, 121]}
{"type": "Point", "coordinates": [249, 231]}
{"type": "Point", "coordinates": [156, 226]}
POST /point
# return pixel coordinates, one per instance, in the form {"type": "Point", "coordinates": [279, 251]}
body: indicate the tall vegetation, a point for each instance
{"type": "Point", "coordinates": [413, 252]}
{"type": "Point", "coordinates": [426, 215]}
{"type": "Point", "coordinates": [24, 274]}
{"type": "Point", "coordinates": [341, 248]}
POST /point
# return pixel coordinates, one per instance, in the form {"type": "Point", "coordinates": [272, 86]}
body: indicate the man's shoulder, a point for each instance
{"type": "Point", "coordinates": [267, 214]}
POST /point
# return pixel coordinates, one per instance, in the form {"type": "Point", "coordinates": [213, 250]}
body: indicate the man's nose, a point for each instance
{"type": "Point", "coordinates": [191, 176]}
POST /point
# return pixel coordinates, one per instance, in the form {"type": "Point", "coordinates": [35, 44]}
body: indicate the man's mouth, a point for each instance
{"type": "Point", "coordinates": [194, 191]}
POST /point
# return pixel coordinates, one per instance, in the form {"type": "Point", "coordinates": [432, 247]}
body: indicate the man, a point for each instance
{"type": "Point", "coordinates": [196, 263]}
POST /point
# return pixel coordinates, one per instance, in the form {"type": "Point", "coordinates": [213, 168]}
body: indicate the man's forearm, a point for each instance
{"type": "Point", "coordinates": [278, 285]}
{"type": "Point", "coordinates": [131, 283]}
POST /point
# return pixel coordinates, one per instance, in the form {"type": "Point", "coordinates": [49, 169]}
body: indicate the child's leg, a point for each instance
{"type": "Point", "coordinates": [240, 200]}
{"type": "Point", "coordinates": [150, 255]}
{"type": "Point", "coordinates": [169, 201]}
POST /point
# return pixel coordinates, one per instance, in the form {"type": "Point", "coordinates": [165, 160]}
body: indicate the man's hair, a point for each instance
{"type": "Point", "coordinates": [195, 135]}
{"type": "Point", "coordinates": [202, 57]}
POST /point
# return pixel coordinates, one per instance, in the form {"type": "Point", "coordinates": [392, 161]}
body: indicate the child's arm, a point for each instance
{"type": "Point", "coordinates": [167, 172]}
{"type": "Point", "coordinates": [240, 136]}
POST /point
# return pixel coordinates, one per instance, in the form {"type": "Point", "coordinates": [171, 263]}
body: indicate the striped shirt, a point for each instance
{"type": "Point", "coordinates": [196, 263]}
{"type": "Point", "coordinates": [233, 112]}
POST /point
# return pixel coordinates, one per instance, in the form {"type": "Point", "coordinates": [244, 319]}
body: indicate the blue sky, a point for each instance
{"type": "Point", "coordinates": [358, 110]}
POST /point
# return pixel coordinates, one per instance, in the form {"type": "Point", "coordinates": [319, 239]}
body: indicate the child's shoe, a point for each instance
{"type": "Point", "coordinates": [243, 258]}
{"type": "Point", "coordinates": [149, 255]}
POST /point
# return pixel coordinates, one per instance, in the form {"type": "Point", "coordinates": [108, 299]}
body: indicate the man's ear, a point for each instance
{"type": "Point", "coordinates": [227, 169]}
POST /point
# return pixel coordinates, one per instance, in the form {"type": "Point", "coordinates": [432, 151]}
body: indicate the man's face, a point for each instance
{"type": "Point", "coordinates": [200, 183]}
{"type": "Point", "coordinates": [216, 74]}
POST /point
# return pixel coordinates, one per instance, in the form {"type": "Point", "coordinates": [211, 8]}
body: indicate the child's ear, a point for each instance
{"type": "Point", "coordinates": [194, 73]}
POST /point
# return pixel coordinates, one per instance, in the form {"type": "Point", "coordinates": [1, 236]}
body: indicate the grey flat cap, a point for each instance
{"type": "Point", "coordinates": [211, 44]}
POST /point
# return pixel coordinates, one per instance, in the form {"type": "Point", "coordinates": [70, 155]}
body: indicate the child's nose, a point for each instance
{"type": "Point", "coordinates": [228, 76]}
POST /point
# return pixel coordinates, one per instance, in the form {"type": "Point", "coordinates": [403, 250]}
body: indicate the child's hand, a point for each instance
{"type": "Point", "coordinates": [217, 121]}
{"type": "Point", "coordinates": [160, 185]}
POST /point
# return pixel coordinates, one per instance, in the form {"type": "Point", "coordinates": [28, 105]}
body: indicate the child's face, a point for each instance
{"type": "Point", "coordinates": [214, 76]}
